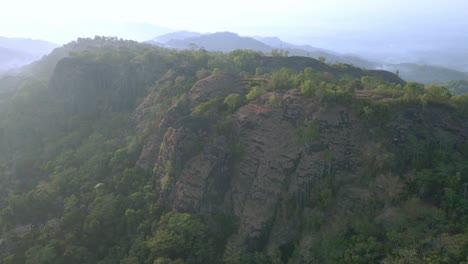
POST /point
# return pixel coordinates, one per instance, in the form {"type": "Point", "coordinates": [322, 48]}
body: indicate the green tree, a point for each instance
{"type": "Point", "coordinates": [363, 250]}
{"type": "Point", "coordinates": [413, 90]}
{"type": "Point", "coordinates": [43, 254]}
{"type": "Point", "coordinates": [280, 79]}
{"type": "Point", "coordinates": [437, 93]}
{"type": "Point", "coordinates": [245, 60]}
{"type": "Point", "coordinates": [279, 53]}
{"type": "Point", "coordinates": [184, 236]}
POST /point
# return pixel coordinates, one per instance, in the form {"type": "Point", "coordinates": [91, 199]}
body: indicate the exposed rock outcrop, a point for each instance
{"type": "Point", "coordinates": [265, 172]}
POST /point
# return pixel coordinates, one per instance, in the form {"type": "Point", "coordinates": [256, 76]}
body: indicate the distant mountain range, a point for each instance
{"type": "Point", "coordinates": [178, 35]}
{"type": "Point", "coordinates": [220, 41]}
{"type": "Point", "coordinates": [425, 73]}
{"type": "Point", "coordinates": [310, 51]}
{"type": "Point", "coordinates": [16, 52]}
{"type": "Point", "coordinates": [228, 41]}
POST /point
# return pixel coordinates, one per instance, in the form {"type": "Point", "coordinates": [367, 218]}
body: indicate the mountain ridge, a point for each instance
{"type": "Point", "coordinates": [229, 41]}
{"type": "Point", "coordinates": [211, 41]}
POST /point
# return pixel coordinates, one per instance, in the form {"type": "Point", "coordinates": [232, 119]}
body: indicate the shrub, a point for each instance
{"type": "Point", "coordinates": [233, 101]}
{"type": "Point", "coordinates": [255, 93]}
{"type": "Point", "coordinates": [308, 88]}
{"type": "Point", "coordinates": [214, 105]}
{"type": "Point", "coordinates": [274, 100]}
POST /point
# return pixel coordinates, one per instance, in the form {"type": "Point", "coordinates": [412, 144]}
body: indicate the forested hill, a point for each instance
{"type": "Point", "coordinates": [229, 41]}
{"type": "Point", "coordinates": [113, 151]}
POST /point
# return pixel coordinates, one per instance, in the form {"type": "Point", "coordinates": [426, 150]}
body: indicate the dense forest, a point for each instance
{"type": "Point", "coordinates": [113, 151]}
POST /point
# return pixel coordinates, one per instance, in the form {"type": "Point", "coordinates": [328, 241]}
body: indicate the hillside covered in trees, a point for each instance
{"type": "Point", "coordinates": [114, 151]}
{"type": "Point", "coordinates": [228, 41]}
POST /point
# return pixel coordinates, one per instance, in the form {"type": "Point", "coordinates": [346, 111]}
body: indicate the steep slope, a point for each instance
{"type": "Point", "coordinates": [280, 170]}
{"type": "Point", "coordinates": [131, 153]}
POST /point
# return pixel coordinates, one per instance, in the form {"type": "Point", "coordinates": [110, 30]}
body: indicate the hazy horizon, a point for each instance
{"type": "Point", "coordinates": [298, 21]}
{"type": "Point", "coordinates": [392, 31]}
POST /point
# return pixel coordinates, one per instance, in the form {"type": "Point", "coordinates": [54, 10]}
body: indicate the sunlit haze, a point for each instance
{"type": "Point", "coordinates": [388, 31]}
{"type": "Point", "coordinates": [296, 20]}
{"type": "Point", "coordinates": [227, 132]}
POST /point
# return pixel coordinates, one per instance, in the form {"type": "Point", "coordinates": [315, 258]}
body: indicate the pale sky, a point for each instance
{"type": "Point", "coordinates": [299, 21]}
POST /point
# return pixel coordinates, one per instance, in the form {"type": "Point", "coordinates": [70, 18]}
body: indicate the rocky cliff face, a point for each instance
{"type": "Point", "coordinates": [261, 169]}
{"type": "Point", "coordinates": [89, 85]}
